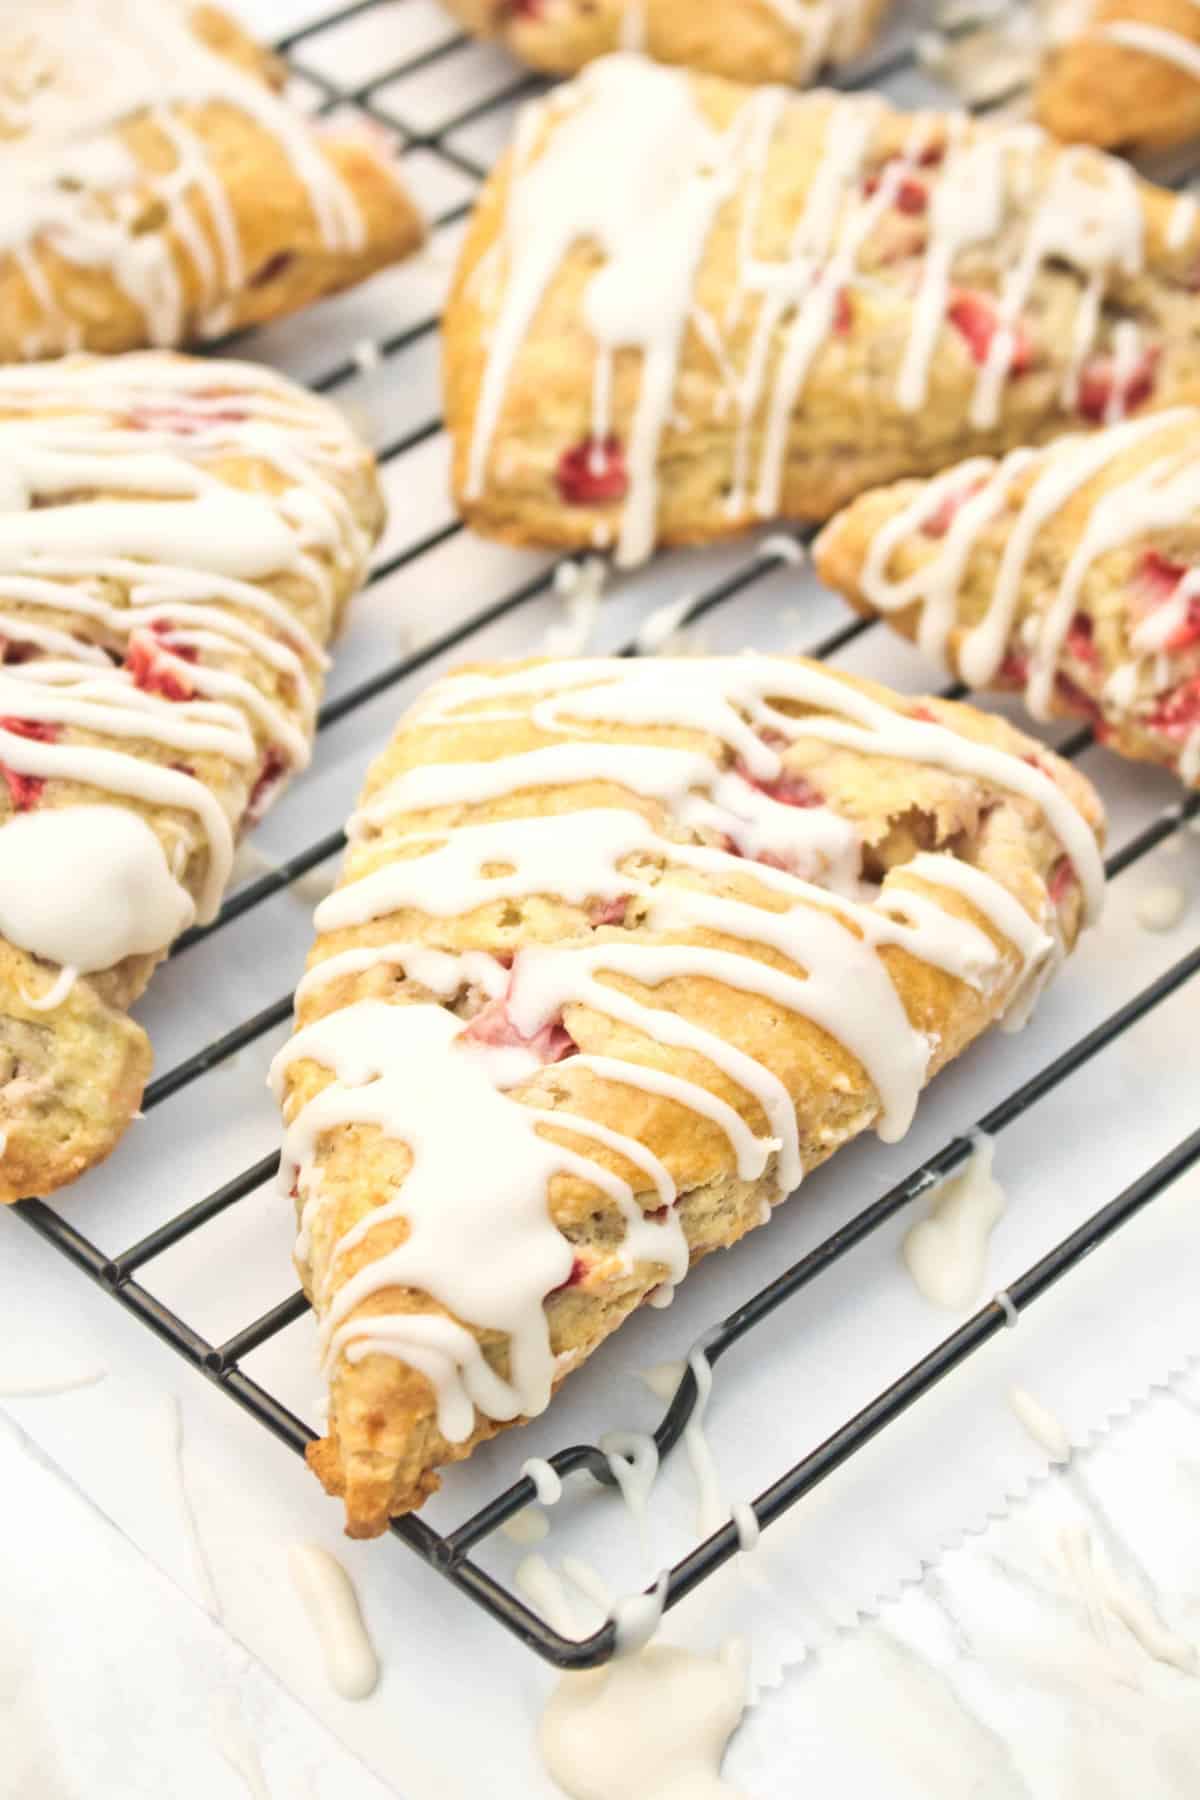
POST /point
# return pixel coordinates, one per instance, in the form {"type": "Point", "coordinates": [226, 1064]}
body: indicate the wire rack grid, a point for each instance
{"type": "Point", "coordinates": [402, 64]}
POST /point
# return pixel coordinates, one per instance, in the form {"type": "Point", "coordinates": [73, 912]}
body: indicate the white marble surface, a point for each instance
{"type": "Point", "coordinates": [986, 1681]}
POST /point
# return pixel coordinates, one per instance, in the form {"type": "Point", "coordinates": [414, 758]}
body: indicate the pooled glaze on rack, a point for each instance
{"type": "Point", "coordinates": [329, 1598]}
{"type": "Point", "coordinates": [968, 183]}
{"type": "Point", "coordinates": [73, 82]}
{"type": "Point", "coordinates": [133, 613]}
{"type": "Point", "coordinates": [946, 1252]}
{"type": "Point", "coordinates": [418, 1071]}
{"type": "Point", "coordinates": [1025, 637]}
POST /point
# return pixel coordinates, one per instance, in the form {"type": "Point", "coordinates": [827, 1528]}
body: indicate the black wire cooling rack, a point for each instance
{"type": "Point", "coordinates": [450, 1553]}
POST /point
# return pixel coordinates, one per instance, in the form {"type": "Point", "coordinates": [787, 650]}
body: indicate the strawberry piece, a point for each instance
{"type": "Point", "coordinates": [144, 661]}
{"type": "Point", "coordinates": [609, 912]}
{"type": "Point", "coordinates": [493, 1026]}
{"type": "Point", "coordinates": [1075, 699]}
{"type": "Point", "coordinates": [26, 790]}
{"type": "Point", "coordinates": [272, 770]}
{"type": "Point", "coordinates": [1097, 380]}
{"type": "Point", "coordinates": [939, 522]}
{"type": "Point", "coordinates": [911, 195]}
{"type": "Point", "coordinates": [593, 473]}
{"type": "Point", "coordinates": [1080, 641]}
{"type": "Point", "coordinates": [843, 314]}
{"type": "Point", "coordinates": [178, 420]}
{"type": "Point", "coordinates": [1158, 578]}
{"type": "Point", "coordinates": [1177, 714]}
{"type": "Point", "coordinates": [1062, 879]}
{"type": "Point", "coordinates": [976, 317]}
{"type": "Point", "coordinates": [577, 1276]}
{"type": "Point", "coordinates": [1014, 668]}
{"type": "Point", "coordinates": [788, 790]}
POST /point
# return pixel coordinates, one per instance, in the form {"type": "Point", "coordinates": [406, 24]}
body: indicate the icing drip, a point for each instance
{"type": "Point", "coordinates": [946, 1252]}
{"type": "Point", "coordinates": [75, 187]}
{"type": "Point", "coordinates": [1157, 497]}
{"type": "Point", "coordinates": [134, 904]}
{"type": "Point", "coordinates": [166, 578]}
{"type": "Point", "coordinates": [1040, 1423]}
{"type": "Point", "coordinates": [416, 1071]}
{"type": "Point", "coordinates": [973, 185]}
{"type": "Point", "coordinates": [329, 1599]}
{"type": "Point", "coordinates": [655, 1725]}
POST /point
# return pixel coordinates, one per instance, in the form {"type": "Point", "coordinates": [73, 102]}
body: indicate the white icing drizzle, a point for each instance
{"type": "Point", "coordinates": [1107, 1595]}
{"type": "Point", "coordinates": [946, 1252]}
{"type": "Point", "coordinates": [173, 1419]}
{"type": "Point", "coordinates": [655, 1725]}
{"type": "Point", "coordinates": [546, 1480]}
{"type": "Point", "coordinates": [187, 553]}
{"type": "Point", "coordinates": [73, 186]}
{"type": "Point", "coordinates": [415, 1071]}
{"type": "Point", "coordinates": [529, 1526]}
{"type": "Point", "coordinates": [1154, 40]}
{"type": "Point", "coordinates": [134, 904]}
{"type": "Point", "coordinates": [1161, 908]}
{"type": "Point", "coordinates": [624, 116]}
{"type": "Point", "coordinates": [1041, 1424]}
{"type": "Point", "coordinates": [712, 1508]}
{"type": "Point", "coordinates": [1156, 497]}
{"type": "Point", "coordinates": [663, 1379]}
{"type": "Point", "coordinates": [749, 1530]}
{"type": "Point", "coordinates": [331, 1603]}
{"type": "Point", "coordinates": [1182, 221]}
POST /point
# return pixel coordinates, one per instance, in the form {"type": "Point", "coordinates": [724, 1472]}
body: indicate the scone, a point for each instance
{"type": "Point", "coordinates": [747, 40]}
{"type": "Point", "coordinates": [1123, 73]}
{"type": "Point", "coordinates": [157, 189]}
{"type": "Point", "coordinates": [685, 306]}
{"type": "Point", "coordinates": [178, 540]}
{"type": "Point", "coordinates": [1070, 572]}
{"type": "Point", "coordinates": [620, 950]}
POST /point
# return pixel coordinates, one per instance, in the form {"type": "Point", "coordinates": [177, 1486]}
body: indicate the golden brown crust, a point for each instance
{"type": "Point", "coordinates": [745, 40]}
{"type": "Point", "coordinates": [384, 1444]}
{"type": "Point", "coordinates": [848, 431]}
{"type": "Point", "coordinates": [144, 257]}
{"type": "Point", "coordinates": [1151, 719]}
{"type": "Point", "coordinates": [71, 1078]}
{"type": "Point", "coordinates": [1093, 90]}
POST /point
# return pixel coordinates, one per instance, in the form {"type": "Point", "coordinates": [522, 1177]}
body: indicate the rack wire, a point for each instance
{"type": "Point", "coordinates": [450, 1553]}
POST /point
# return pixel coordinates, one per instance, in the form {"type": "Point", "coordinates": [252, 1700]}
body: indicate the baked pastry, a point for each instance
{"type": "Point", "coordinates": [1070, 572]}
{"type": "Point", "coordinates": [684, 306]}
{"type": "Point", "coordinates": [620, 949]}
{"type": "Point", "coordinates": [1123, 73]}
{"type": "Point", "coordinates": [157, 189]}
{"type": "Point", "coordinates": [748, 40]}
{"type": "Point", "coordinates": [177, 542]}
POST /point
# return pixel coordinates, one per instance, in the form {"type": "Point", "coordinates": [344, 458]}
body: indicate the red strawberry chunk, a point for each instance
{"type": "Point", "coordinates": [180, 421]}
{"type": "Point", "coordinates": [1080, 641]}
{"type": "Point", "coordinates": [26, 790]}
{"type": "Point", "coordinates": [593, 473]}
{"type": "Point", "coordinates": [843, 314]}
{"type": "Point", "coordinates": [1178, 713]}
{"type": "Point", "coordinates": [493, 1026]}
{"type": "Point", "coordinates": [1158, 578]}
{"type": "Point", "coordinates": [1074, 698]}
{"type": "Point", "coordinates": [939, 522]}
{"type": "Point", "coordinates": [976, 317]}
{"type": "Point", "coordinates": [788, 790]}
{"type": "Point", "coordinates": [273, 768]}
{"type": "Point", "coordinates": [1015, 668]}
{"type": "Point", "coordinates": [575, 1278]}
{"type": "Point", "coordinates": [910, 196]}
{"type": "Point", "coordinates": [1062, 879]}
{"type": "Point", "coordinates": [609, 912]}
{"type": "Point", "coordinates": [151, 672]}
{"type": "Point", "coordinates": [1098, 378]}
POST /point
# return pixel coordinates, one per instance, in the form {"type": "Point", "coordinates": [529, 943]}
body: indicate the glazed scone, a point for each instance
{"type": "Point", "coordinates": [178, 540]}
{"type": "Point", "coordinates": [1071, 573]}
{"type": "Point", "coordinates": [620, 949]}
{"type": "Point", "coordinates": [746, 40]}
{"type": "Point", "coordinates": [157, 189]}
{"type": "Point", "coordinates": [685, 306]}
{"type": "Point", "coordinates": [1123, 74]}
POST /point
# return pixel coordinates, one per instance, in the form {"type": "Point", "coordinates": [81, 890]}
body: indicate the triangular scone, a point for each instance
{"type": "Point", "coordinates": [1123, 73]}
{"type": "Point", "coordinates": [685, 305]}
{"type": "Point", "coordinates": [1071, 572]}
{"type": "Point", "coordinates": [178, 540]}
{"type": "Point", "coordinates": [620, 950]}
{"type": "Point", "coordinates": [746, 40]}
{"type": "Point", "coordinates": [157, 189]}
